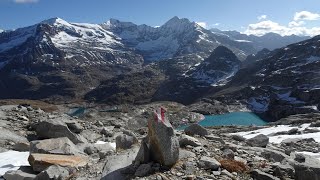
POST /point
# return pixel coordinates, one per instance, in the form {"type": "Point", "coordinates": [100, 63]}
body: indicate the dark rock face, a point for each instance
{"type": "Point", "coordinates": [221, 64]}
{"type": "Point", "coordinates": [138, 87]}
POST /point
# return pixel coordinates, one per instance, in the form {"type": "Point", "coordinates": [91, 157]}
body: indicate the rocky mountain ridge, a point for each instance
{"type": "Point", "coordinates": [283, 83]}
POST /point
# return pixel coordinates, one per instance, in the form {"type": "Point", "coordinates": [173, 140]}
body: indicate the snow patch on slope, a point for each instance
{"type": "Point", "coordinates": [12, 160]}
{"type": "Point", "coordinates": [17, 38]}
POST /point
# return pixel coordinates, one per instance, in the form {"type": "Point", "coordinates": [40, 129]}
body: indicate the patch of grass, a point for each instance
{"type": "Point", "coordinates": [233, 165]}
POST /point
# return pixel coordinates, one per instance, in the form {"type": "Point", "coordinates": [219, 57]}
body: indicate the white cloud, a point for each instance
{"type": "Point", "coordinates": [296, 26]}
{"type": "Point", "coordinates": [306, 15]}
{"type": "Point", "coordinates": [262, 17]}
{"type": "Point", "coordinates": [268, 26]}
{"type": "Point", "coordinates": [216, 24]}
{"type": "Point", "coordinates": [25, 1]}
{"type": "Point", "coordinates": [202, 24]}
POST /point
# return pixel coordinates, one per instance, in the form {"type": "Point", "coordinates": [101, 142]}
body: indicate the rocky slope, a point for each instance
{"type": "Point", "coordinates": [283, 83]}
{"type": "Point", "coordinates": [105, 145]}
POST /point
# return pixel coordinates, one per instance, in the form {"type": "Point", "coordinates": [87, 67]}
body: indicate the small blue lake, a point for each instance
{"type": "Point", "coordinates": [234, 118]}
{"type": "Point", "coordinates": [77, 112]}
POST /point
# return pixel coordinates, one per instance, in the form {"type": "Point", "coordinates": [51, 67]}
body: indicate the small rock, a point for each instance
{"type": "Point", "coordinates": [273, 155]}
{"type": "Point", "coordinates": [188, 140]}
{"type": "Point", "coordinates": [196, 129]}
{"type": "Point", "coordinates": [259, 175]}
{"type": "Point", "coordinates": [184, 154]}
{"type": "Point", "coordinates": [238, 137]}
{"type": "Point", "coordinates": [125, 142]}
{"type": "Point", "coordinates": [300, 157]}
{"type": "Point", "coordinates": [215, 138]}
{"type": "Point", "coordinates": [209, 163]}
{"type": "Point", "coordinates": [23, 173]}
{"type": "Point", "coordinates": [74, 126]}
{"type": "Point", "coordinates": [90, 149]}
{"type": "Point", "coordinates": [283, 170]}
{"type": "Point", "coordinates": [53, 172]}
{"type": "Point", "coordinates": [258, 141]}
{"type": "Point", "coordinates": [228, 153]}
{"type": "Point", "coordinates": [107, 131]}
{"type": "Point", "coordinates": [227, 173]}
{"type": "Point", "coordinates": [216, 173]}
{"type": "Point", "coordinates": [143, 170]}
{"type": "Point", "coordinates": [22, 146]}
{"type": "Point", "coordinates": [315, 124]}
{"type": "Point", "coordinates": [293, 131]}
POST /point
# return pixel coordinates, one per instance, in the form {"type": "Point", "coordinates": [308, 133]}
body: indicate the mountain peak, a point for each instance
{"type": "Point", "coordinates": [55, 21]}
{"type": "Point", "coordinates": [176, 21]}
{"type": "Point", "coordinates": [115, 23]}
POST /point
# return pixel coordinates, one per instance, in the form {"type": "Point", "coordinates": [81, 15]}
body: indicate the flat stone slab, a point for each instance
{"type": "Point", "coordinates": [40, 162]}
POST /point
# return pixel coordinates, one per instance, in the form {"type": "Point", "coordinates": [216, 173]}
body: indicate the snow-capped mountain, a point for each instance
{"type": "Point", "coordinates": [58, 59]}
{"type": "Point", "coordinates": [285, 82]}
{"type": "Point", "coordinates": [176, 37]}
{"type": "Point", "coordinates": [270, 41]}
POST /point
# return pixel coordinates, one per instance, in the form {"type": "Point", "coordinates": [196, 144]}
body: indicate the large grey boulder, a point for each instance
{"type": "Point", "coordinates": [283, 171]}
{"type": "Point", "coordinates": [61, 146]}
{"type": "Point", "coordinates": [196, 129]}
{"type": "Point", "coordinates": [185, 140]}
{"type": "Point", "coordinates": [209, 163]}
{"type": "Point", "coordinates": [125, 141]}
{"type": "Point", "coordinates": [260, 175]}
{"type": "Point", "coordinates": [258, 141]}
{"type": "Point", "coordinates": [54, 128]}
{"type": "Point", "coordinates": [274, 155]}
{"type": "Point", "coordinates": [164, 144]}
{"type": "Point", "coordinates": [53, 172]}
{"type": "Point", "coordinates": [161, 144]}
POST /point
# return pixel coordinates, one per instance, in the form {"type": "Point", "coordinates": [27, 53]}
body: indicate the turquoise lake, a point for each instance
{"type": "Point", "coordinates": [234, 118]}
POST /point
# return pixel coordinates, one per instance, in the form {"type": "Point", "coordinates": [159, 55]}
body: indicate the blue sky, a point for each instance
{"type": "Point", "coordinates": [241, 15]}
